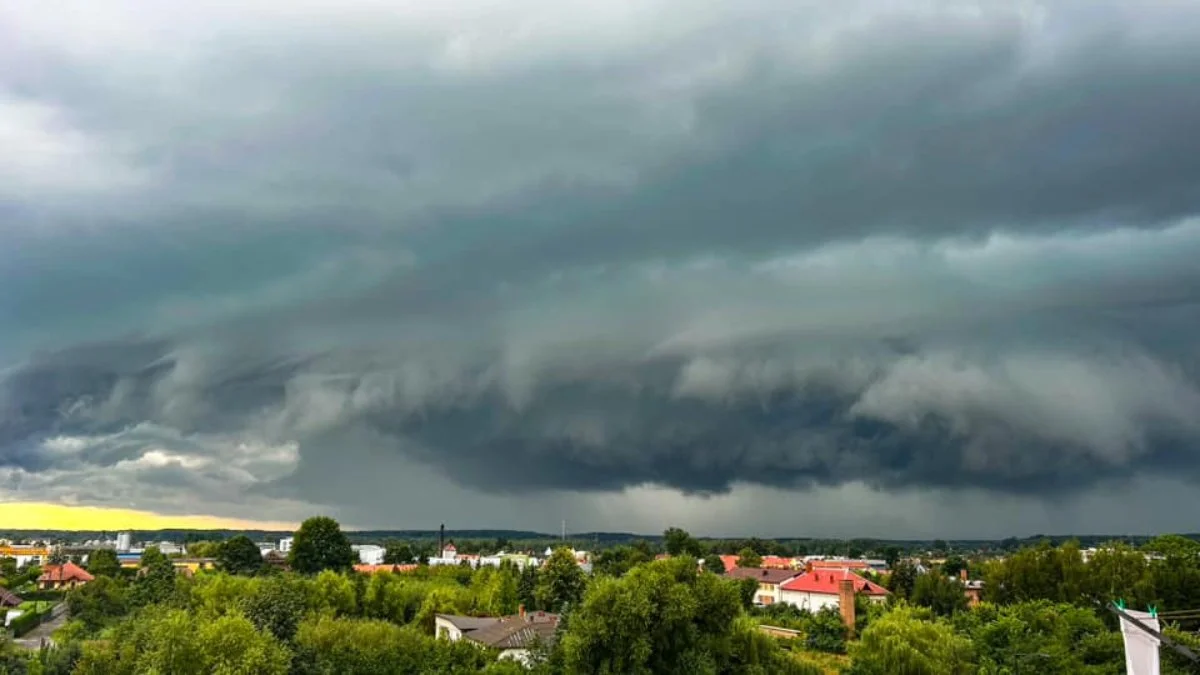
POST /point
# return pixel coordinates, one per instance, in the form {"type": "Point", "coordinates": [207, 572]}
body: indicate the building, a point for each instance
{"type": "Point", "coordinates": [513, 636]}
{"type": "Point", "coordinates": [972, 588]}
{"type": "Point", "coordinates": [124, 541]}
{"type": "Point", "coordinates": [265, 547]}
{"type": "Point", "coordinates": [9, 599]}
{"type": "Point", "coordinates": [369, 554]}
{"type": "Point", "coordinates": [66, 575]}
{"type": "Point", "coordinates": [276, 559]}
{"type": "Point", "coordinates": [385, 568]}
{"type": "Point", "coordinates": [285, 545]}
{"type": "Point", "coordinates": [26, 554]}
{"type": "Point", "coordinates": [769, 581]}
{"type": "Point", "coordinates": [819, 588]}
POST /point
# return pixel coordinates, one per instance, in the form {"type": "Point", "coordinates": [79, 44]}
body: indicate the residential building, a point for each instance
{"type": "Point", "coordinates": [513, 636]}
{"type": "Point", "coordinates": [769, 581]}
{"type": "Point", "coordinates": [124, 541]}
{"type": "Point", "coordinates": [814, 590]}
{"type": "Point", "coordinates": [369, 554]}
{"type": "Point", "coordinates": [285, 544]}
{"type": "Point", "coordinates": [972, 588]}
{"type": "Point", "coordinates": [9, 599]}
{"type": "Point", "coordinates": [276, 559]}
{"type": "Point", "coordinates": [67, 575]}
{"type": "Point", "coordinates": [26, 554]}
{"type": "Point", "coordinates": [265, 547]}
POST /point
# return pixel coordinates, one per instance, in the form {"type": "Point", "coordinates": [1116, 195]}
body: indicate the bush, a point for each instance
{"type": "Point", "coordinates": [25, 623]}
{"type": "Point", "coordinates": [47, 596]}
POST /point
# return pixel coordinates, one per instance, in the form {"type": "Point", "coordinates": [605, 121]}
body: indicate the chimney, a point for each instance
{"type": "Point", "coordinates": [764, 573]}
{"type": "Point", "coordinates": [521, 610]}
{"type": "Point", "coordinates": [846, 604]}
{"type": "Point", "coordinates": [962, 574]}
{"type": "Point", "coordinates": [808, 567]}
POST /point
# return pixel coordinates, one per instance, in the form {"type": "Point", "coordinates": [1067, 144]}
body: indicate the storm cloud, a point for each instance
{"type": "Point", "coordinates": [357, 257]}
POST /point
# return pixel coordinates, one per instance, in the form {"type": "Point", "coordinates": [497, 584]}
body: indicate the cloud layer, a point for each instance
{"type": "Point", "coordinates": [359, 256]}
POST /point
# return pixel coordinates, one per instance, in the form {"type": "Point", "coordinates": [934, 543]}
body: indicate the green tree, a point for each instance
{"type": "Point", "coordinates": [276, 606]}
{"type": "Point", "coordinates": [618, 560]}
{"type": "Point", "coordinates": [103, 563]}
{"type": "Point", "coordinates": [941, 594]}
{"type": "Point", "coordinates": [902, 580]}
{"type": "Point", "coordinates": [527, 586]}
{"type": "Point", "coordinates": [397, 553]}
{"type": "Point", "coordinates": [99, 602]}
{"type": "Point", "coordinates": [1173, 546]}
{"type": "Point", "coordinates": [940, 547]}
{"type": "Point", "coordinates": [954, 565]}
{"type": "Point", "coordinates": [155, 582]}
{"type": "Point", "coordinates": [560, 581]}
{"type": "Point", "coordinates": [748, 557]}
{"type": "Point", "coordinates": [328, 646]}
{"type": "Point", "coordinates": [1044, 572]}
{"type": "Point", "coordinates": [240, 555]}
{"type": "Point", "coordinates": [714, 564]}
{"type": "Point", "coordinates": [1063, 639]}
{"type": "Point", "coordinates": [319, 545]}
{"type": "Point", "coordinates": [664, 618]}
{"type": "Point", "coordinates": [906, 642]}
{"type": "Point", "coordinates": [678, 542]}
{"type": "Point", "coordinates": [58, 557]}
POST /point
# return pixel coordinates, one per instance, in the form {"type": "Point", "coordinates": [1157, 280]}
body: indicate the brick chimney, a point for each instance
{"type": "Point", "coordinates": [808, 567]}
{"type": "Point", "coordinates": [521, 610]}
{"type": "Point", "coordinates": [846, 604]}
{"type": "Point", "coordinates": [962, 574]}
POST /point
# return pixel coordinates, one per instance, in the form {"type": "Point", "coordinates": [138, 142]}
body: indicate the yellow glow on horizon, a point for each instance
{"type": "Point", "coordinates": [45, 516]}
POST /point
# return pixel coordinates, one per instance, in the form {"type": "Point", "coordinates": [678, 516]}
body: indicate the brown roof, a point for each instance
{"type": "Point", "coordinates": [65, 572]}
{"type": "Point", "coordinates": [766, 576]}
{"type": "Point", "coordinates": [516, 632]}
{"type": "Point", "coordinates": [8, 598]}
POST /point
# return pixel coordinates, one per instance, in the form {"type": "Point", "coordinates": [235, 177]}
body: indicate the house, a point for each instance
{"type": "Point", "coordinates": [285, 544]}
{"type": "Point", "coordinates": [66, 575]}
{"type": "Point", "coordinates": [819, 588]}
{"type": "Point", "coordinates": [730, 562]}
{"type": "Point", "coordinates": [972, 588]}
{"type": "Point", "coordinates": [513, 636]}
{"type": "Point", "coordinates": [9, 599]}
{"type": "Point", "coordinates": [778, 563]}
{"type": "Point", "coordinates": [276, 559]}
{"type": "Point", "coordinates": [376, 569]}
{"type": "Point", "coordinates": [769, 581]}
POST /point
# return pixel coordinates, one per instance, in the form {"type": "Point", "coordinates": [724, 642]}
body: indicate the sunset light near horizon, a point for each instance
{"type": "Point", "coordinates": [43, 516]}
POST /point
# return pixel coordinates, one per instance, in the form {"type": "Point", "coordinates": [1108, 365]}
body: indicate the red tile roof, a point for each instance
{"type": "Point", "coordinates": [840, 564]}
{"type": "Point", "coordinates": [762, 575]}
{"type": "Point", "coordinates": [826, 582]}
{"type": "Point", "coordinates": [777, 562]}
{"type": "Point", "coordinates": [65, 572]}
{"type": "Point", "coordinates": [730, 562]}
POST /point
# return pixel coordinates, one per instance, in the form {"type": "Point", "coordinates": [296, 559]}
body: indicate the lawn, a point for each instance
{"type": "Point", "coordinates": [36, 606]}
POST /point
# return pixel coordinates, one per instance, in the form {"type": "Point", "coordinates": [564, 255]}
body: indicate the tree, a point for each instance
{"type": "Point", "coordinates": [319, 545]}
{"type": "Point", "coordinates": [748, 557]}
{"type": "Point", "coordinates": [527, 586]}
{"type": "Point", "coordinates": [943, 595]}
{"type": "Point", "coordinates": [664, 618]}
{"type": "Point", "coordinates": [905, 642]}
{"type": "Point", "coordinates": [714, 564]}
{"type": "Point", "coordinates": [1174, 546]}
{"type": "Point", "coordinates": [240, 555]}
{"type": "Point", "coordinates": [891, 555]}
{"type": "Point", "coordinates": [277, 605]}
{"type": "Point", "coordinates": [98, 602]}
{"type": "Point", "coordinates": [678, 542]}
{"type": "Point", "coordinates": [58, 557]}
{"type": "Point", "coordinates": [902, 580]}
{"type": "Point", "coordinates": [397, 553]}
{"type": "Point", "coordinates": [103, 563]}
{"type": "Point", "coordinates": [954, 565]}
{"type": "Point", "coordinates": [156, 579]}
{"type": "Point", "coordinates": [618, 560]}
{"type": "Point", "coordinates": [940, 546]}
{"type": "Point", "coordinates": [560, 581]}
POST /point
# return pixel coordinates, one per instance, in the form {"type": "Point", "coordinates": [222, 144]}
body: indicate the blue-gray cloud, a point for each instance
{"type": "Point", "coordinates": [590, 248]}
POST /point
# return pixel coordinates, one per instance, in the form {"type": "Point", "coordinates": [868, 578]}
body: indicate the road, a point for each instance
{"type": "Point", "coordinates": [33, 639]}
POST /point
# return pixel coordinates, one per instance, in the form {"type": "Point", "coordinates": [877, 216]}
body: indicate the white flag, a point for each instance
{"type": "Point", "coordinates": [1141, 648]}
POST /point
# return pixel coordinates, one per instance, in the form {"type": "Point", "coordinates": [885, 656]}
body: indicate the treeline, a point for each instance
{"type": "Point", "coordinates": [323, 619]}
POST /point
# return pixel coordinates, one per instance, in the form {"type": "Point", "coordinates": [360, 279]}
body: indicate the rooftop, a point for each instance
{"type": "Point", "coordinates": [826, 582]}
{"type": "Point", "coordinates": [766, 576]}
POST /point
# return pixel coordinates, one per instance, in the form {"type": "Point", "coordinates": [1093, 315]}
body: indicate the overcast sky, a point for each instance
{"type": "Point", "coordinates": [806, 268]}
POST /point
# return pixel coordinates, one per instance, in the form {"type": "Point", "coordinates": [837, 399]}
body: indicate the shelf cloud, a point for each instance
{"type": "Point", "coordinates": [405, 262]}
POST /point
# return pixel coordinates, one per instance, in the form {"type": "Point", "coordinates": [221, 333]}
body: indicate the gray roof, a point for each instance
{"type": "Point", "coordinates": [8, 598]}
{"type": "Point", "coordinates": [468, 623]}
{"type": "Point", "coordinates": [515, 632]}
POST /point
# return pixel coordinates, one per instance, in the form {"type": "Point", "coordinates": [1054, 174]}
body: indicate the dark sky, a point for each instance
{"type": "Point", "coordinates": [755, 267]}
